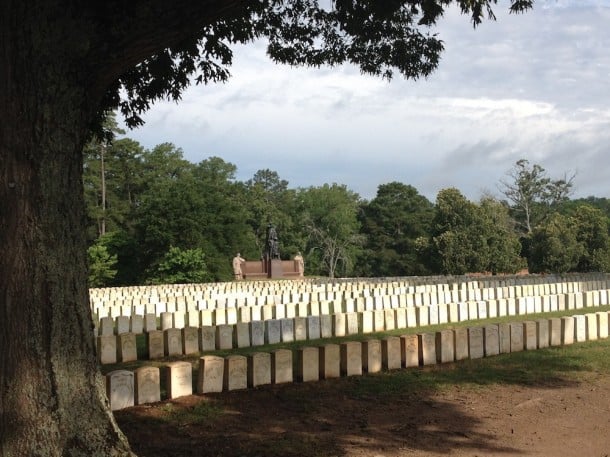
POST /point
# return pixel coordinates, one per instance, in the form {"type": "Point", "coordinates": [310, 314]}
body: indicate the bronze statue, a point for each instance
{"type": "Point", "coordinates": [273, 246]}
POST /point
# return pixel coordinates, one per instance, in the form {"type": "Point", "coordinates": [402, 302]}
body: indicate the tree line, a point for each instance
{"type": "Point", "coordinates": [155, 217]}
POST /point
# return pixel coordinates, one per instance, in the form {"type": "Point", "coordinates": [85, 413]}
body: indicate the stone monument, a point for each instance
{"type": "Point", "coordinates": [272, 253]}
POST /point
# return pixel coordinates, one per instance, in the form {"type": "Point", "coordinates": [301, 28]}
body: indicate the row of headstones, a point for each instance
{"type": "Point", "coordinates": [415, 283]}
{"type": "Point", "coordinates": [189, 296]}
{"type": "Point", "coordinates": [453, 312]}
{"type": "Point", "coordinates": [365, 299]}
{"type": "Point", "coordinates": [190, 340]}
{"type": "Point", "coordinates": [217, 374]}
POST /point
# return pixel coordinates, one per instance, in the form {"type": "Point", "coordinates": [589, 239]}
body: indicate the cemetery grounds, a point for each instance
{"type": "Point", "coordinates": [548, 402]}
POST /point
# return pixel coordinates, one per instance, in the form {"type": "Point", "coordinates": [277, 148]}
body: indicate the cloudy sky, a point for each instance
{"type": "Point", "coordinates": [533, 86]}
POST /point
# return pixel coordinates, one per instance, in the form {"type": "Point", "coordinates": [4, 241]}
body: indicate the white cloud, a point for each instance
{"type": "Point", "coordinates": [529, 86]}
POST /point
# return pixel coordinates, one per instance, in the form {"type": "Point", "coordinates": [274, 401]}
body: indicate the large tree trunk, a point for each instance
{"type": "Point", "coordinates": [52, 400]}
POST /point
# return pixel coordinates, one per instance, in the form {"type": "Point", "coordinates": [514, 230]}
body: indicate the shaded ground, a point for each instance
{"type": "Point", "coordinates": [456, 410]}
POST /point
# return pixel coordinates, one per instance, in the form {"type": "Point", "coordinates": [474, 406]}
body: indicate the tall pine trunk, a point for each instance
{"type": "Point", "coordinates": [52, 400]}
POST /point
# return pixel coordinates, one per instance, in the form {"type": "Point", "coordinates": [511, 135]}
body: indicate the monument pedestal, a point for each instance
{"type": "Point", "coordinates": [276, 269]}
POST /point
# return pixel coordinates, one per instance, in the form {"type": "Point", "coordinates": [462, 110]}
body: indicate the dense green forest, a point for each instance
{"type": "Point", "coordinates": [155, 217]}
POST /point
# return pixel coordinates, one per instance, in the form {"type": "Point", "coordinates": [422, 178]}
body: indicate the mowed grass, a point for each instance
{"type": "Point", "coordinates": [550, 367]}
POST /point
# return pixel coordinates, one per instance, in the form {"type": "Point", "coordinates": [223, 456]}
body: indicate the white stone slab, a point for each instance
{"type": "Point", "coordinates": [542, 329]}
{"type": "Point", "coordinates": [567, 330]}
{"type": "Point", "coordinates": [516, 337]}
{"type": "Point", "coordinates": [491, 337]}
{"type": "Point", "coordinates": [409, 345]}
{"type": "Point", "coordinates": [476, 346]}
{"type": "Point", "coordinates": [427, 348]}
{"type": "Point", "coordinates": [259, 369]}
{"type": "Point", "coordinates": [351, 358]}
{"type": "Point", "coordinates": [235, 373]}
{"type": "Point", "coordinates": [391, 356]}
{"type": "Point", "coordinates": [211, 374]}
{"type": "Point", "coordinates": [281, 366]}
{"type": "Point", "coordinates": [371, 356]}
{"type": "Point", "coordinates": [179, 379]}
{"type": "Point", "coordinates": [445, 349]}
{"type": "Point", "coordinates": [224, 336]}
{"type": "Point", "coordinates": [120, 389]}
{"type": "Point", "coordinates": [330, 361]}
{"type": "Point", "coordinates": [147, 385]}
{"type": "Point", "coordinates": [241, 335]}
{"type": "Point", "coordinates": [127, 350]}
{"type": "Point", "coordinates": [308, 364]}
{"type": "Point", "coordinates": [257, 333]}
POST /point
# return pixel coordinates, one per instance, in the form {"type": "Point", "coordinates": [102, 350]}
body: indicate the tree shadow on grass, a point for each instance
{"type": "Point", "coordinates": [389, 412]}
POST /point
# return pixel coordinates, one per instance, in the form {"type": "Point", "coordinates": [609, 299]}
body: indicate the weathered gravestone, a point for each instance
{"type": "Point", "coordinates": [281, 366]}
{"type": "Point", "coordinates": [147, 385]}
{"type": "Point", "coordinates": [224, 336]}
{"type": "Point", "coordinates": [491, 337]}
{"type": "Point", "coordinates": [476, 348]}
{"type": "Point", "coordinates": [390, 353]}
{"type": "Point", "coordinates": [207, 338]}
{"type": "Point", "coordinates": [119, 389]}
{"type": "Point", "coordinates": [371, 356]}
{"type": "Point", "coordinates": [330, 361]}
{"type": "Point", "coordinates": [173, 341]}
{"type": "Point", "coordinates": [259, 369]}
{"type": "Point", "coordinates": [409, 345]}
{"type": "Point", "coordinates": [542, 329]}
{"type": "Point", "coordinates": [179, 377]}
{"type": "Point", "coordinates": [567, 330]}
{"type": "Point", "coordinates": [516, 337]}
{"type": "Point", "coordinates": [155, 344]}
{"type": "Point", "coordinates": [445, 349]}
{"type": "Point", "coordinates": [106, 349]}
{"type": "Point", "coordinates": [211, 374]}
{"type": "Point", "coordinates": [308, 364]}
{"type": "Point", "coordinates": [126, 347]}
{"type": "Point", "coordinates": [427, 348]}
{"type": "Point", "coordinates": [235, 372]}
{"type": "Point", "coordinates": [460, 343]}
{"type": "Point", "coordinates": [257, 333]}
{"type": "Point", "coordinates": [351, 358]}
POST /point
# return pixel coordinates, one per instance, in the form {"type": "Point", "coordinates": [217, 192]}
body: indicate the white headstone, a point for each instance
{"type": "Point", "coordinates": [351, 358]}
{"type": "Point", "coordinates": [173, 341]}
{"type": "Point", "coordinates": [476, 348]}
{"type": "Point", "coordinates": [371, 356]}
{"type": "Point", "coordinates": [190, 340]}
{"type": "Point", "coordinates": [127, 350]}
{"type": "Point", "coordinates": [445, 349]}
{"type": "Point", "coordinates": [330, 361]}
{"type": "Point", "coordinates": [281, 366]}
{"type": "Point", "coordinates": [236, 372]}
{"type": "Point", "coordinates": [179, 379]}
{"type": "Point", "coordinates": [308, 364]}
{"type": "Point", "coordinates": [207, 338]}
{"type": "Point", "coordinates": [211, 374]}
{"type": "Point", "coordinates": [259, 369]}
{"type": "Point", "coordinates": [147, 385]}
{"type": "Point", "coordinates": [120, 389]}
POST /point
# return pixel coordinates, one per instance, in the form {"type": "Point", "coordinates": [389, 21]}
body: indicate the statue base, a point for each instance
{"type": "Point", "coordinates": [276, 270]}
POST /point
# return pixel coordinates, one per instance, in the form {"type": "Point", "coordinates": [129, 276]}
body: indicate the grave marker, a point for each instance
{"type": "Point", "coordinates": [211, 374]}
{"type": "Point", "coordinates": [147, 385]}
{"type": "Point", "coordinates": [119, 389]}
{"type": "Point", "coordinates": [179, 379]}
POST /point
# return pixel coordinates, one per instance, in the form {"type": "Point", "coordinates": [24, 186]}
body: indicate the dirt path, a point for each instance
{"type": "Point", "coordinates": [335, 418]}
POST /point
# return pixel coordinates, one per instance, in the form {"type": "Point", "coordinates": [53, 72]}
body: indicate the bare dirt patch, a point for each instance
{"type": "Point", "coordinates": [336, 418]}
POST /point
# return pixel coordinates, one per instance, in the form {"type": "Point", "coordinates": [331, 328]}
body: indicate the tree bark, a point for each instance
{"type": "Point", "coordinates": [52, 399]}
